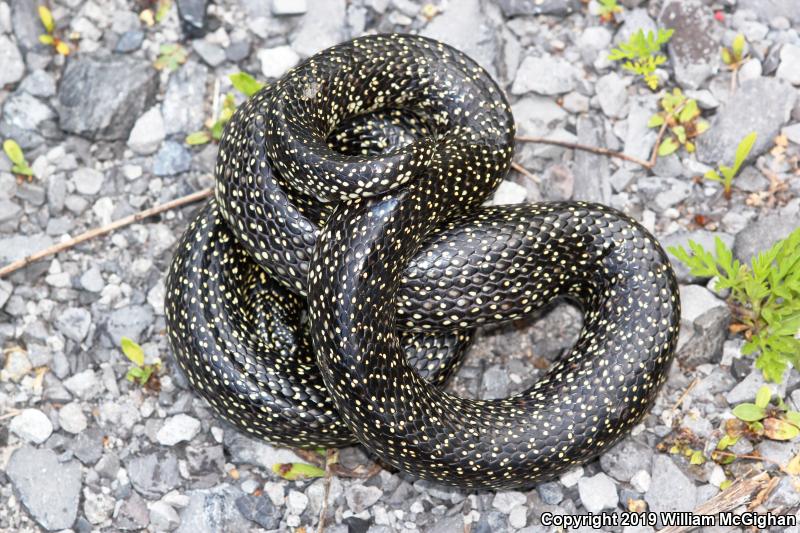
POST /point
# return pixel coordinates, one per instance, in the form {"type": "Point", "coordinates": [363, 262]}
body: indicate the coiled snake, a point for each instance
{"type": "Point", "coordinates": [335, 282]}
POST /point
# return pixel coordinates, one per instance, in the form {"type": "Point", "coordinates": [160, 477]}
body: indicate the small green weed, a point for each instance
{"type": "Point", "coordinates": [608, 10]}
{"type": "Point", "coordinates": [170, 56]}
{"type": "Point", "coordinates": [49, 37]}
{"type": "Point", "coordinates": [682, 118]}
{"type": "Point", "coordinates": [146, 375]}
{"type": "Point", "coordinates": [728, 173]}
{"type": "Point", "coordinates": [19, 165]}
{"type": "Point", "coordinates": [765, 297]}
{"type": "Point", "coordinates": [642, 54]}
{"type": "Point", "coordinates": [242, 82]}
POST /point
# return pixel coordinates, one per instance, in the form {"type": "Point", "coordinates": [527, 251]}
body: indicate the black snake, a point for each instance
{"type": "Point", "coordinates": [336, 280]}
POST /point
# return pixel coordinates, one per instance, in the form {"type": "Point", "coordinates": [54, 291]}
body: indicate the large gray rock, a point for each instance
{"type": "Point", "coordinates": [762, 234]}
{"type": "Point", "coordinates": [670, 489]}
{"type": "Point", "coordinates": [704, 324]}
{"type": "Point", "coordinates": [761, 105]}
{"type": "Point", "coordinates": [558, 8]}
{"type": "Point", "coordinates": [694, 46]}
{"type": "Point", "coordinates": [193, 16]}
{"type": "Point", "coordinates": [546, 75]}
{"type": "Point", "coordinates": [322, 26]}
{"type": "Point", "coordinates": [769, 9]}
{"type": "Point", "coordinates": [100, 97]}
{"type": "Point", "coordinates": [469, 27]}
{"type": "Point", "coordinates": [49, 490]}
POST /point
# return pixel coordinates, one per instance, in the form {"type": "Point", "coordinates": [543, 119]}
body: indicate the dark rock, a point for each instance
{"type": "Point", "coordinates": [26, 24]}
{"type": "Point", "coordinates": [557, 8]}
{"type": "Point", "coordinates": [129, 41]}
{"type": "Point", "coordinates": [761, 105]}
{"type": "Point", "coordinates": [193, 15]}
{"type": "Point", "coordinates": [694, 46]}
{"type": "Point", "coordinates": [259, 509]}
{"type": "Point", "coordinates": [49, 490]}
{"type": "Point", "coordinates": [154, 474]}
{"type": "Point", "coordinates": [356, 524]}
{"type": "Point", "coordinates": [100, 97]}
{"type": "Point", "coordinates": [88, 445]}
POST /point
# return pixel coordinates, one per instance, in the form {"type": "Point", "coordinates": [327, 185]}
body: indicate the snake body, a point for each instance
{"type": "Point", "coordinates": [336, 280]}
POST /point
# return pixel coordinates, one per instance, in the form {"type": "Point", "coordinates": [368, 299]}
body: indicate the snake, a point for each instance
{"type": "Point", "coordinates": [337, 278]}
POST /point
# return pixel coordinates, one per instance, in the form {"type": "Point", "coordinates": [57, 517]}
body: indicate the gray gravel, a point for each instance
{"type": "Point", "coordinates": [84, 449]}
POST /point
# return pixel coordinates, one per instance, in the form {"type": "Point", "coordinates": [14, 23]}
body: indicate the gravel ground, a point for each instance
{"type": "Point", "coordinates": [82, 449]}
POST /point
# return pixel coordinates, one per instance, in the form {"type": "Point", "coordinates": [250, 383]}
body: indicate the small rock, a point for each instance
{"type": "Point", "coordinates": [632, 21]}
{"type": "Point", "coordinates": [789, 67]}
{"type": "Point", "coordinates": [792, 132]}
{"type": "Point", "coordinates": [694, 43]}
{"type": "Point", "coordinates": [550, 492]}
{"type": "Point", "coordinates": [641, 481]}
{"type": "Point", "coordinates": [762, 105]}
{"type": "Point", "coordinates": [777, 452]}
{"type": "Point", "coordinates": [97, 507]}
{"type": "Point", "coordinates": [53, 505]}
{"type": "Point", "coordinates": [591, 170]}
{"type": "Point", "coordinates": [85, 385]}
{"type": "Point", "coordinates": [183, 108]}
{"type": "Point", "coordinates": [558, 183]}
{"type": "Point", "coordinates": [746, 389]}
{"type": "Point", "coordinates": [17, 363]}
{"type": "Point", "coordinates": [259, 509]}
{"type": "Point", "coordinates": [704, 326]}
{"type": "Point", "coordinates": [130, 41]}
{"type": "Point", "coordinates": [92, 280]}
{"type": "Point", "coordinates": [574, 102]}
{"type": "Point", "coordinates": [154, 474]}
{"type": "Point", "coordinates": [507, 193]}
{"type": "Point", "coordinates": [23, 118]}
{"type": "Point", "coordinates": [132, 514]}
{"type": "Point", "coordinates": [88, 447]}
{"type": "Point", "coordinates": [772, 9]}
{"type": "Point", "coordinates": [213, 55]}
{"type": "Point", "coordinates": [148, 132]}
{"type": "Point", "coordinates": [359, 497]}
{"type": "Point", "coordinates": [750, 70]}
{"type": "Point", "coordinates": [31, 425]}
{"type": "Point", "coordinates": [163, 516]}
{"type": "Point", "coordinates": [612, 92]}
{"type": "Point", "coordinates": [625, 459]}
{"type": "Point", "coordinates": [276, 61]}
{"type": "Point", "coordinates": [13, 66]}
{"type": "Point", "coordinates": [670, 489]}
{"type": "Point", "coordinates": [71, 418]}
{"type": "Point", "coordinates": [289, 7]}
{"type": "Point", "coordinates": [131, 321]}
{"type": "Point", "coordinates": [557, 8]}
{"type": "Point", "coordinates": [640, 138]}
{"type": "Point", "coordinates": [593, 40]}
{"type": "Point", "coordinates": [212, 510]}
{"type": "Point", "coordinates": [88, 181]}
{"type": "Point", "coordinates": [193, 15]}
{"type": "Point", "coordinates": [518, 517]}
{"type": "Point", "coordinates": [561, 76]}
{"type": "Point", "coordinates": [505, 501]}
{"type": "Point", "coordinates": [179, 428]}
{"type": "Point", "coordinates": [247, 450]}
{"type": "Point", "coordinates": [100, 97]}
{"type": "Point", "coordinates": [173, 158]}
{"type": "Point", "coordinates": [495, 383]}
{"type": "Point", "coordinates": [597, 493]}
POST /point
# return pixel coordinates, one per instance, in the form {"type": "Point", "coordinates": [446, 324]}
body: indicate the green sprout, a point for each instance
{"type": "Point", "coordinates": [681, 118]}
{"type": "Point", "coordinates": [170, 57]}
{"type": "Point", "coordinates": [143, 374]}
{"type": "Point", "coordinates": [608, 9]}
{"type": "Point", "coordinates": [765, 297]}
{"type": "Point", "coordinates": [49, 37]}
{"type": "Point", "coordinates": [774, 422]}
{"type": "Point", "coordinates": [734, 57]}
{"type": "Point", "coordinates": [728, 173]}
{"type": "Point", "coordinates": [19, 165]}
{"type": "Point", "coordinates": [642, 54]}
{"type": "Point", "coordinates": [245, 84]}
{"type": "Point", "coordinates": [295, 471]}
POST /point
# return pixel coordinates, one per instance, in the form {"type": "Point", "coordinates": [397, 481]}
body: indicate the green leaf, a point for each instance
{"type": "Point", "coordinates": [743, 150]}
{"type": "Point", "coordinates": [712, 175]}
{"type": "Point", "coordinates": [47, 39]}
{"type": "Point", "coordinates": [14, 152]}
{"type": "Point", "coordinates": [132, 351]}
{"type": "Point", "coordinates": [793, 417]}
{"type": "Point", "coordinates": [689, 112]}
{"type": "Point", "coordinates": [668, 146]}
{"type": "Point", "coordinates": [294, 471]}
{"type": "Point", "coordinates": [726, 442]}
{"type": "Point", "coordinates": [217, 129]}
{"type": "Point", "coordinates": [197, 138]}
{"type": "Point", "coordinates": [245, 83]}
{"type": "Point", "coordinates": [763, 396]}
{"type": "Point", "coordinates": [748, 412]}
{"type": "Point", "coordinates": [738, 47]}
{"type": "Point", "coordinates": [680, 133]}
{"type": "Point", "coordinates": [134, 373]}
{"type": "Point", "coordinates": [726, 56]}
{"type": "Point", "coordinates": [46, 16]}
{"type": "Point", "coordinates": [777, 429]}
{"type": "Point", "coordinates": [655, 121]}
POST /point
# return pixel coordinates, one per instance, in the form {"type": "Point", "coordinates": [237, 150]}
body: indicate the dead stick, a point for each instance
{"type": "Point", "coordinates": [97, 232]}
{"type": "Point", "coordinates": [525, 172]}
{"type": "Point", "coordinates": [329, 459]}
{"type": "Point", "coordinates": [593, 149]}
{"type": "Point", "coordinates": [741, 492]}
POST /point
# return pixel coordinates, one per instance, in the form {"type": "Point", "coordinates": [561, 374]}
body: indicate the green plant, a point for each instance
{"type": "Point", "coordinates": [608, 9]}
{"type": "Point", "coordinates": [681, 118]}
{"type": "Point", "coordinates": [728, 173]}
{"type": "Point", "coordinates": [765, 297]}
{"type": "Point", "coordinates": [294, 471]}
{"type": "Point", "coordinates": [19, 165]}
{"type": "Point", "coordinates": [642, 54]}
{"type": "Point", "coordinates": [141, 372]}
{"type": "Point", "coordinates": [734, 56]}
{"type": "Point", "coordinates": [49, 37]}
{"type": "Point", "coordinates": [245, 84]}
{"type": "Point", "coordinates": [170, 56]}
{"type": "Point", "coordinates": [776, 422]}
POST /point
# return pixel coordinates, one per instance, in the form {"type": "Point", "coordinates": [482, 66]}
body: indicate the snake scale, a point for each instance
{"type": "Point", "coordinates": [336, 280]}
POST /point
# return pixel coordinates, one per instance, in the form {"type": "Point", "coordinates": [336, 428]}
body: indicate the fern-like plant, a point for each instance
{"type": "Point", "coordinates": [642, 54]}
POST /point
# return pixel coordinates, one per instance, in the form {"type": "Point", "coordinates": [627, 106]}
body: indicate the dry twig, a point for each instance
{"type": "Point", "coordinates": [108, 228]}
{"type": "Point", "coordinates": [330, 459]}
